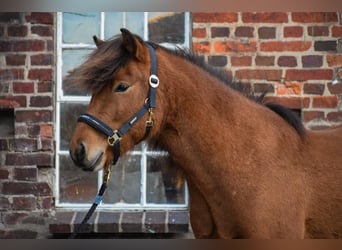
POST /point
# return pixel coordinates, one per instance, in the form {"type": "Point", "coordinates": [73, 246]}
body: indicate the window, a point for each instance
{"type": "Point", "coordinates": [144, 179]}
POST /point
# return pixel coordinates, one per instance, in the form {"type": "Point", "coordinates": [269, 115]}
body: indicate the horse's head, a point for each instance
{"type": "Point", "coordinates": [118, 74]}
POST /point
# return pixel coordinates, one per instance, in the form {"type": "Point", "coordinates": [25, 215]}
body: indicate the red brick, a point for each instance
{"type": "Point", "coordinates": [235, 46]}
{"type": "Point", "coordinates": [5, 103]}
{"type": "Point", "coordinates": [13, 101]}
{"type": "Point", "coordinates": [214, 17]}
{"type": "Point", "coordinates": [24, 145]}
{"type": "Point", "coordinates": [46, 203]}
{"type": "Point", "coordinates": [337, 31]}
{"type": "Point", "coordinates": [289, 88]}
{"type": "Point", "coordinates": [265, 17]}
{"type": "Point", "coordinates": [42, 59]}
{"type": "Point", "coordinates": [202, 47]}
{"type": "Point", "coordinates": [23, 87]}
{"type": "Point", "coordinates": [4, 174]}
{"type": "Point", "coordinates": [217, 61]}
{"type": "Point", "coordinates": [263, 88]}
{"type": "Point", "coordinates": [47, 144]}
{"type": "Point", "coordinates": [4, 205]}
{"type": "Point", "coordinates": [314, 17]}
{"type": "Point", "coordinates": [29, 116]}
{"type": "Point", "coordinates": [311, 61]}
{"type": "Point", "coordinates": [244, 31]}
{"type": "Point", "coordinates": [15, 60]}
{"type": "Point", "coordinates": [17, 31]}
{"type": "Point", "coordinates": [292, 102]}
{"type": "Point", "coordinates": [335, 116]}
{"type": "Point", "coordinates": [40, 101]}
{"type": "Point", "coordinates": [335, 89]}
{"type": "Point", "coordinates": [270, 75]}
{"type": "Point", "coordinates": [287, 61]}
{"type": "Point", "coordinates": [241, 60]}
{"type": "Point", "coordinates": [314, 89]}
{"type": "Point", "coordinates": [22, 45]}
{"type": "Point", "coordinates": [25, 174]}
{"type": "Point", "coordinates": [24, 203]}
{"type": "Point", "coordinates": [40, 74]}
{"type": "Point", "coordinates": [325, 101]}
{"type": "Point", "coordinates": [304, 75]}
{"type": "Point", "coordinates": [199, 33]}
{"type": "Point", "coordinates": [293, 31]}
{"type": "Point", "coordinates": [23, 188]}
{"type": "Point", "coordinates": [33, 159]}
{"type": "Point", "coordinates": [132, 222]}
{"type": "Point", "coordinates": [46, 130]}
{"type": "Point", "coordinates": [45, 86]}
{"type": "Point", "coordinates": [264, 60]}
{"type": "Point", "coordinates": [267, 32]}
{"type": "Point", "coordinates": [42, 30]}
{"type": "Point", "coordinates": [13, 217]}
{"type": "Point", "coordinates": [285, 46]}
{"type": "Point", "coordinates": [40, 17]}
{"type": "Point", "coordinates": [311, 115]}
{"type": "Point", "coordinates": [318, 31]}
{"type": "Point", "coordinates": [11, 74]}
{"type": "Point", "coordinates": [219, 32]}
{"type": "Point", "coordinates": [334, 60]}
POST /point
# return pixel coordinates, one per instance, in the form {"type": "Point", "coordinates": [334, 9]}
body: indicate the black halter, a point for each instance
{"type": "Point", "coordinates": [115, 136]}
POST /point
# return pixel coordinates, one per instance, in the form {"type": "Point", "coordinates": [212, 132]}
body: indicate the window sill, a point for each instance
{"type": "Point", "coordinates": [65, 222]}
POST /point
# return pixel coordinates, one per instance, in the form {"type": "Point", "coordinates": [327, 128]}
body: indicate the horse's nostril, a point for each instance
{"type": "Point", "coordinates": [80, 152]}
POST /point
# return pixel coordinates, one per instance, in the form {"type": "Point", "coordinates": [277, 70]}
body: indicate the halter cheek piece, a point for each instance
{"type": "Point", "coordinates": [114, 136]}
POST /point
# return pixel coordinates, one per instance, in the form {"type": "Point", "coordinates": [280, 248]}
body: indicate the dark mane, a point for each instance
{"type": "Point", "coordinates": [100, 66]}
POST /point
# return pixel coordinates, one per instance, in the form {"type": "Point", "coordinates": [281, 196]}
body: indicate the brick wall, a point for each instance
{"type": "Point", "coordinates": [26, 156]}
{"type": "Point", "coordinates": [292, 56]}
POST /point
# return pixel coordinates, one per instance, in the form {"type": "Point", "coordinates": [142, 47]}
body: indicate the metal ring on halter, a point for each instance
{"type": "Point", "coordinates": [154, 81]}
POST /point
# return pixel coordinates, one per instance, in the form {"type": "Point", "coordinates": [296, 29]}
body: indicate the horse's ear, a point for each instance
{"type": "Point", "coordinates": [97, 41]}
{"type": "Point", "coordinates": [132, 44]}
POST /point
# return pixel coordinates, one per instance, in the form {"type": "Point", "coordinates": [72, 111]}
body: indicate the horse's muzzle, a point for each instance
{"type": "Point", "coordinates": [79, 157]}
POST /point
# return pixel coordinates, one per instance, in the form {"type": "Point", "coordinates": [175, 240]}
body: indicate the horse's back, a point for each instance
{"type": "Point", "coordinates": [324, 177]}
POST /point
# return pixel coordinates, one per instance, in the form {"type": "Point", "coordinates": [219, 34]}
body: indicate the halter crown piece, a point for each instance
{"type": "Point", "coordinates": [114, 136]}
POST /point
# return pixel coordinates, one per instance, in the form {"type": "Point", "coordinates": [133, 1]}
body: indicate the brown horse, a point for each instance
{"type": "Point", "coordinates": [252, 170]}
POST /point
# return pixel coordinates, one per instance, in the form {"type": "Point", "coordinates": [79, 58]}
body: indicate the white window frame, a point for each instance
{"type": "Point", "coordinates": [144, 153]}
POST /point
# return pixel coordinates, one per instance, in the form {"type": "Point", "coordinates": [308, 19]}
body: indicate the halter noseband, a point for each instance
{"type": "Point", "coordinates": [114, 136]}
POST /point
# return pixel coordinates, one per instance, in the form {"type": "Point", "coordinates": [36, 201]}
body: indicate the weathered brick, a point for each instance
{"type": "Point", "coordinates": [218, 61]}
{"type": "Point", "coordinates": [267, 32]}
{"type": "Point", "coordinates": [334, 60]}
{"type": "Point", "coordinates": [314, 88]}
{"type": "Point", "coordinates": [12, 218]}
{"type": "Point", "coordinates": [235, 46]}
{"type": "Point", "coordinates": [132, 222]}
{"type": "Point", "coordinates": [22, 45]}
{"type": "Point", "coordinates": [23, 188]}
{"type": "Point", "coordinates": [271, 75]}
{"type": "Point", "coordinates": [45, 86]}
{"type": "Point", "coordinates": [330, 45]}
{"type": "Point", "coordinates": [13, 101]}
{"type": "Point", "coordinates": [15, 60]}
{"type": "Point", "coordinates": [314, 17]}
{"type": "Point", "coordinates": [214, 17]}
{"type": "Point", "coordinates": [23, 87]}
{"type": "Point", "coordinates": [25, 174]}
{"type": "Point", "coordinates": [336, 31]}
{"type": "Point", "coordinates": [318, 31]}
{"type": "Point", "coordinates": [10, 17]}
{"type": "Point", "coordinates": [178, 221]}
{"type": "Point", "coordinates": [312, 115]}
{"type": "Point", "coordinates": [89, 227]}
{"type": "Point", "coordinates": [289, 88]}
{"type": "Point", "coordinates": [244, 31]}
{"type": "Point", "coordinates": [155, 222]}
{"type": "Point", "coordinates": [40, 101]}
{"type": "Point", "coordinates": [29, 116]}
{"type": "Point", "coordinates": [312, 61]}
{"type": "Point", "coordinates": [8, 103]}
{"type": "Point", "coordinates": [23, 145]}
{"type": "Point", "coordinates": [46, 130]}
{"type": "Point", "coordinates": [33, 130]}
{"type": "Point", "coordinates": [24, 203]}
{"type": "Point", "coordinates": [4, 174]}
{"type": "Point", "coordinates": [287, 61]}
{"type": "Point", "coordinates": [285, 46]}
{"type": "Point", "coordinates": [264, 60]}
{"type": "Point", "coordinates": [61, 222]}
{"type": "Point", "coordinates": [4, 204]}
{"type": "Point", "coordinates": [292, 102]}
{"type": "Point", "coordinates": [17, 31]}
{"type": "Point", "coordinates": [304, 75]}
{"type": "Point", "coordinates": [42, 59]}
{"type": "Point", "coordinates": [335, 88]}
{"type": "Point", "coordinates": [199, 33]}
{"type": "Point", "coordinates": [47, 144]}
{"type": "Point", "coordinates": [201, 47]}
{"type": "Point", "coordinates": [40, 18]}
{"type": "Point", "coordinates": [40, 74]}
{"type": "Point", "coordinates": [293, 31]}
{"type": "Point", "coordinates": [108, 222]}
{"type": "Point", "coordinates": [42, 31]}
{"type": "Point", "coordinates": [11, 74]}
{"type": "Point", "coordinates": [45, 202]}
{"type": "Point", "coordinates": [264, 17]}
{"type": "Point", "coordinates": [263, 88]}
{"type": "Point", "coordinates": [334, 116]}
{"type": "Point", "coordinates": [20, 159]}
{"type": "Point", "coordinates": [241, 60]}
{"type": "Point", "coordinates": [3, 144]}
{"type": "Point", "coordinates": [20, 234]}
{"type": "Point", "coordinates": [219, 32]}
{"type": "Point", "coordinates": [325, 101]}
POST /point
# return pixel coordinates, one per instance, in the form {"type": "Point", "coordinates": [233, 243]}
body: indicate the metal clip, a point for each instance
{"type": "Point", "coordinates": [114, 138]}
{"type": "Point", "coordinates": [149, 122]}
{"type": "Point", "coordinates": [106, 174]}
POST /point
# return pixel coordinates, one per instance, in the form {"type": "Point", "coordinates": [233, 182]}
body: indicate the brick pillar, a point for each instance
{"type": "Point", "coordinates": [293, 56]}
{"type": "Point", "coordinates": [26, 157]}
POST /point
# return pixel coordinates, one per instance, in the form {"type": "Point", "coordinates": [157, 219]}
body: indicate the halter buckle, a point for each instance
{"type": "Point", "coordinates": [114, 138]}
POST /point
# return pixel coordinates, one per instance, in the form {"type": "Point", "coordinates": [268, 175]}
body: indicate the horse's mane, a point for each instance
{"type": "Point", "coordinates": [100, 66]}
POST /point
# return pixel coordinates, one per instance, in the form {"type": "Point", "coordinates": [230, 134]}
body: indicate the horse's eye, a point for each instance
{"type": "Point", "coordinates": [122, 87]}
